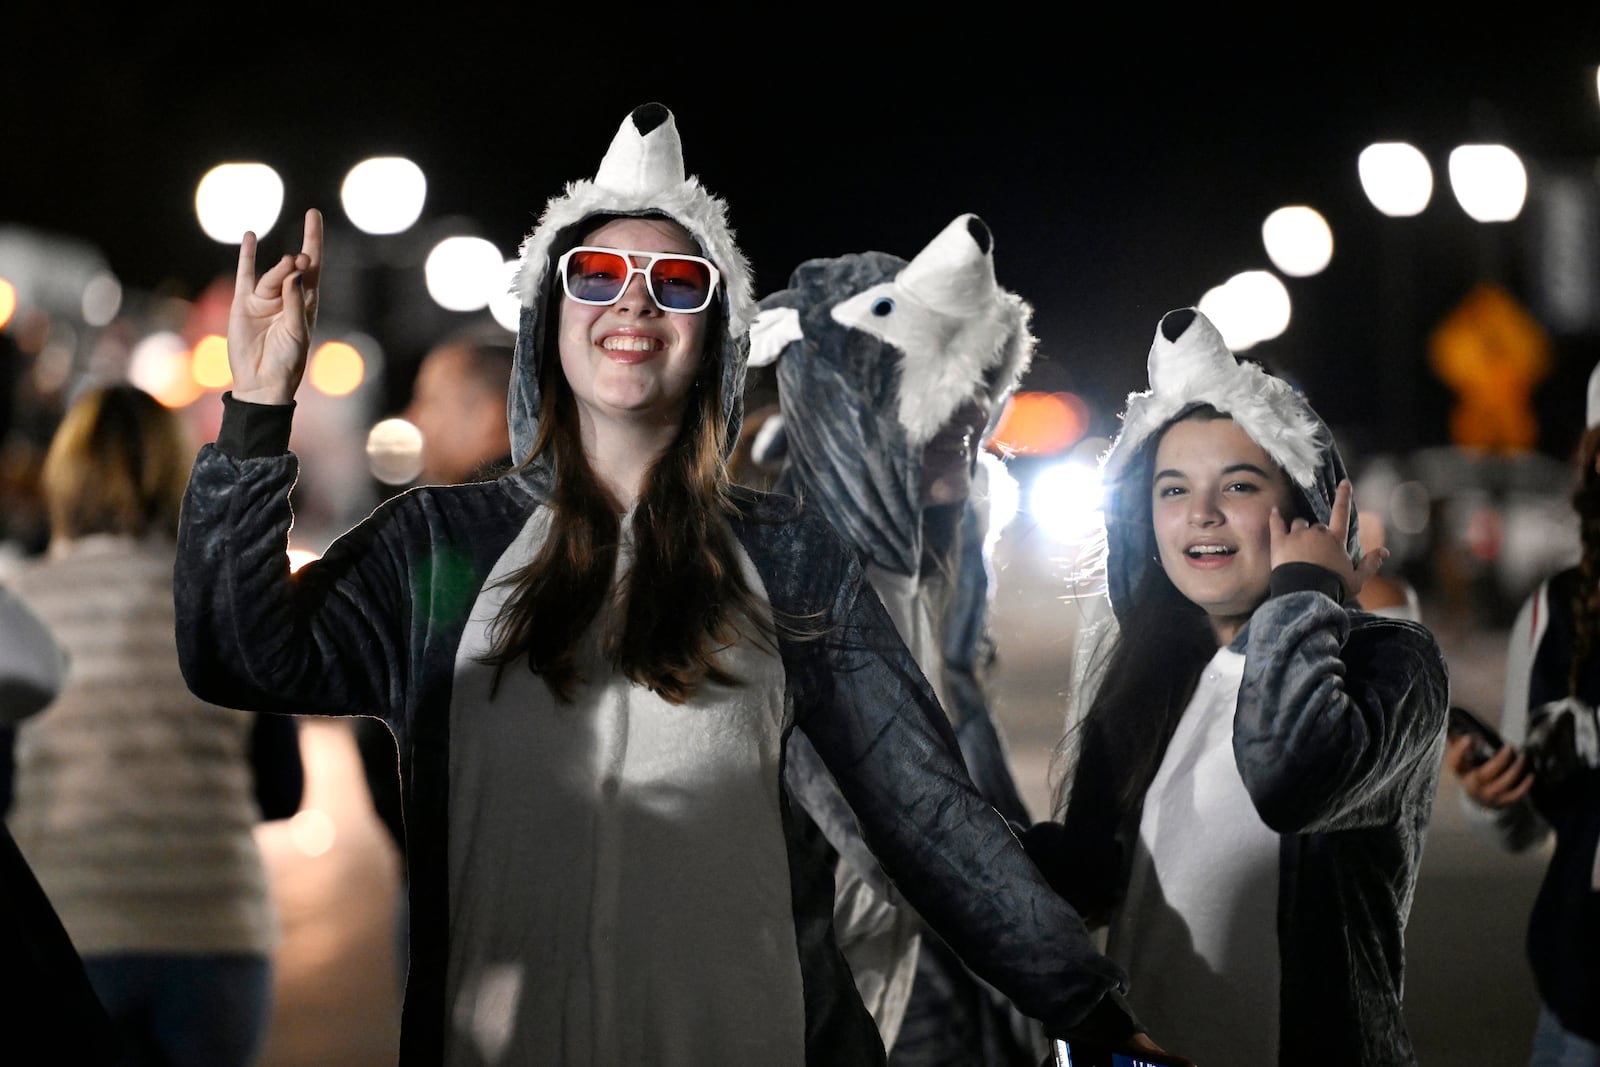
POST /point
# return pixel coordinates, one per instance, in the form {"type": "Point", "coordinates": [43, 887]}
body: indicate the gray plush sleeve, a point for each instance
{"type": "Point", "coordinates": [1338, 713]}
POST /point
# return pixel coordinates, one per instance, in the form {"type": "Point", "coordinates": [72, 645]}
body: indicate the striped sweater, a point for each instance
{"type": "Point", "coordinates": [134, 800]}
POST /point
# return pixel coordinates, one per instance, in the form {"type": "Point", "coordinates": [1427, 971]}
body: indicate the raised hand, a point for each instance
{"type": "Point", "coordinates": [270, 322]}
{"type": "Point", "coordinates": [1300, 541]}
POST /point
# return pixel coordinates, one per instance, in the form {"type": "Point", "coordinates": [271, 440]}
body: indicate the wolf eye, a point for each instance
{"type": "Point", "coordinates": [882, 306]}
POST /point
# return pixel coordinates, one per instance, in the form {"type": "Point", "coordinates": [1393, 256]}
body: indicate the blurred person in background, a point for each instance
{"type": "Point", "coordinates": [1544, 779]}
{"type": "Point", "coordinates": [135, 802]}
{"type": "Point", "coordinates": [458, 401]}
{"type": "Point", "coordinates": [49, 1004]}
{"type": "Point", "coordinates": [1390, 595]}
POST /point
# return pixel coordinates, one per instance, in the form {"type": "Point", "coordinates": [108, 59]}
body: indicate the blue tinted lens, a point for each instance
{"type": "Point", "coordinates": [680, 284]}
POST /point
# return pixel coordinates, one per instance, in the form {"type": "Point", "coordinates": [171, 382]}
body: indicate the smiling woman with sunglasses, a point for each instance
{"type": "Point", "coordinates": [593, 665]}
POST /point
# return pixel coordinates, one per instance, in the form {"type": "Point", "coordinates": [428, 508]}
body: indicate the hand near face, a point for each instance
{"type": "Point", "coordinates": [1299, 541]}
{"type": "Point", "coordinates": [270, 322]}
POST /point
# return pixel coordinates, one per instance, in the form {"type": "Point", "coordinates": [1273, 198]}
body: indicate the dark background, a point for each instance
{"type": "Point", "coordinates": [1124, 162]}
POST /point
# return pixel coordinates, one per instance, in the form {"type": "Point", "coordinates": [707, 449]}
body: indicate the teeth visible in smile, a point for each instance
{"type": "Point", "coordinates": [1210, 550]}
{"type": "Point", "coordinates": [629, 343]}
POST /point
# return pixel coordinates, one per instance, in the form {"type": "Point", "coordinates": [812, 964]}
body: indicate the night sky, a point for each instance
{"type": "Point", "coordinates": [1123, 170]}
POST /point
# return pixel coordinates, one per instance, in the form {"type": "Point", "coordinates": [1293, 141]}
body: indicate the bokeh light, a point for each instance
{"type": "Point", "coordinates": [1489, 181]}
{"type": "Point", "coordinates": [1039, 423]}
{"type": "Point", "coordinates": [506, 306]}
{"type": "Point", "coordinates": [1065, 500]}
{"type": "Point", "coordinates": [8, 302]}
{"type": "Point", "coordinates": [102, 299]}
{"type": "Point", "coordinates": [1251, 307]}
{"type": "Point", "coordinates": [394, 451]}
{"type": "Point", "coordinates": [160, 364]}
{"type": "Point", "coordinates": [1298, 240]}
{"type": "Point", "coordinates": [384, 194]}
{"type": "Point", "coordinates": [464, 273]}
{"type": "Point", "coordinates": [209, 364]}
{"type": "Point", "coordinates": [1396, 177]}
{"type": "Point", "coordinates": [235, 197]}
{"type": "Point", "coordinates": [336, 368]}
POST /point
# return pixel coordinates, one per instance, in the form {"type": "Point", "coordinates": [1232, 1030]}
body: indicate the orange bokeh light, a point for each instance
{"type": "Point", "coordinates": [337, 369]}
{"type": "Point", "coordinates": [210, 362]}
{"type": "Point", "coordinates": [1040, 424]}
{"type": "Point", "coordinates": [8, 302]}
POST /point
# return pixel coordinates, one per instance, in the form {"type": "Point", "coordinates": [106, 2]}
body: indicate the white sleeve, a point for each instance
{"type": "Point", "coordinates": [1533, 619]}
{"type": "Point", "coordinates": [32, 666]}
{"type": "Point", "coordinates": [1518, 826]}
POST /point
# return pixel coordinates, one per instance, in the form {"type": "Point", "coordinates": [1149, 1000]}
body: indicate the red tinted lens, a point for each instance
{"type": "Point", "coordinates": [596, 276]}
{"type": "Point", "coordinates": [680, 284]}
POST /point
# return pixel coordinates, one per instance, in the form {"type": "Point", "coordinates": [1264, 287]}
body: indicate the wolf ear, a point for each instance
{"type": "Point", "coordinates": [774, 330]}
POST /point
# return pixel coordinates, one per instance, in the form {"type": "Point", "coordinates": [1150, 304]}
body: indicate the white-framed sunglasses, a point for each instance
{"type": "Point", "coordinates": [600, 276]}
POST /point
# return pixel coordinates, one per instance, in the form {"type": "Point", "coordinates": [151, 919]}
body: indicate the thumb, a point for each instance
{"type": "Point", "coordinates": [1369, 566]}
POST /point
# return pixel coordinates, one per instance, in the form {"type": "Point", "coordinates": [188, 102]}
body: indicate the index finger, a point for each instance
{"type": "Point", "coordinates": [244, 278]}
{"type": "Point", "coordinates": [311, 246]}
{"type": "Point", "coordinates": [1339, 517]}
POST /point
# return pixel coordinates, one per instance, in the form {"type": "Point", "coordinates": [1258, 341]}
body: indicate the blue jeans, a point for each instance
{"type": "Point", "coordinates": [1556, 1047]}
{"type": "Point", "coordinates": [186, 1011]}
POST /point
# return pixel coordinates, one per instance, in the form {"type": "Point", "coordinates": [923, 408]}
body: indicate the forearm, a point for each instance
{"type": "Point", "coordinates": [249, 633]}
{"type": "Point", "coordinates": [948, 851]}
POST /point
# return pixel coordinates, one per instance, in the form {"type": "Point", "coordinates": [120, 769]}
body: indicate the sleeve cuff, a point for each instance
{"type": "Point", "coordinates": [1110, 1022]}
{"type": "Point", "coordinates": [1306, 577]}
{"type": "Point", "coordinates": [252, 431]}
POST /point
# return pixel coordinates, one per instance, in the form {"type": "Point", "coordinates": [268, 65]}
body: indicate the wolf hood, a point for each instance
{"type": "Point", "coordinates": [1191, 366]}
{"type": "Point", "coordinates": [873, 354]}
{"type": "Point", "coordinates": [642, 174]}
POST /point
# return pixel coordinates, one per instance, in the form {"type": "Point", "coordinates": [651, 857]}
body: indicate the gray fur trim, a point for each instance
{"type": "Point", "coordinates": [687, 203]}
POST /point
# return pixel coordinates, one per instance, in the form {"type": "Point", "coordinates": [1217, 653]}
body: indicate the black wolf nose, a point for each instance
{"type": "Point", "coordinates": [1173, 323]}
{"type": "Point", "coordinates": [980, 234]}
{"type": "Point", "coordinates": [647, 117]}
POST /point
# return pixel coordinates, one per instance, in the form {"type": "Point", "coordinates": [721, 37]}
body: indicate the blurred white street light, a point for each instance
{"type": "Point", "coordinates": [1251, 307]}
{"type": "Point", "coordinates": [1489, 181]}
{"type": "Point", "coordinates": [1065, 500]}
{"type": "Point", "coordinates": [394, 451]}
{"type": "Point", "coordinates": [235, 197]}
{"type": "Point", "coordinates": [1396, 178]}
{"type": "Point", "coordinates": [506, 306]}
{"type": "Point", "coordinates": [1298, 240]}
{"type": "Point", "coordinates": [464, 273]}
{"type": "Point", "coordinates": [384, 194]}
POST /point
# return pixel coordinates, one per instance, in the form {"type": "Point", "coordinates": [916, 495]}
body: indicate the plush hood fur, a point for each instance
{"type": "Point", "coordinates": [872, 355]}
{"type": "Point", "coordinates": [642, 173]}
{"type": "Point", "coordinates": [1191, 366]}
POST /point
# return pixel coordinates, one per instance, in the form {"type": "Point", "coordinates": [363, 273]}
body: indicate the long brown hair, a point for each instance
{"type": "Point", "coordinates": [684, 598]}
{"type": "Point", "coordinates": [1586, 594]}
{"type": "Point", "coordinates": [118, 463]}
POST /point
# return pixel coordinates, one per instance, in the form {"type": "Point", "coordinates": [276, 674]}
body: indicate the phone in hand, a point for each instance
{"type": "Point", "coordinates": [1485, 740]}
{"type": "Point", "coordinates": [1082, 1054]}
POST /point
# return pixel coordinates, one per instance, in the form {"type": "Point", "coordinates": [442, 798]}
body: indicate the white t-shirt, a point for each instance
{"type": "Point", "coordinates": [1198, 930]}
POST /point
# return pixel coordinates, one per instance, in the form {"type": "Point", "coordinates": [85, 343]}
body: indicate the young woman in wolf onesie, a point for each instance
{"type": "Point", "coordinates": [1256, 766]}
{"type": "Point", "coordinates": [593, 666]}
{"type": "Point", "coordinates": [887, 375]}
